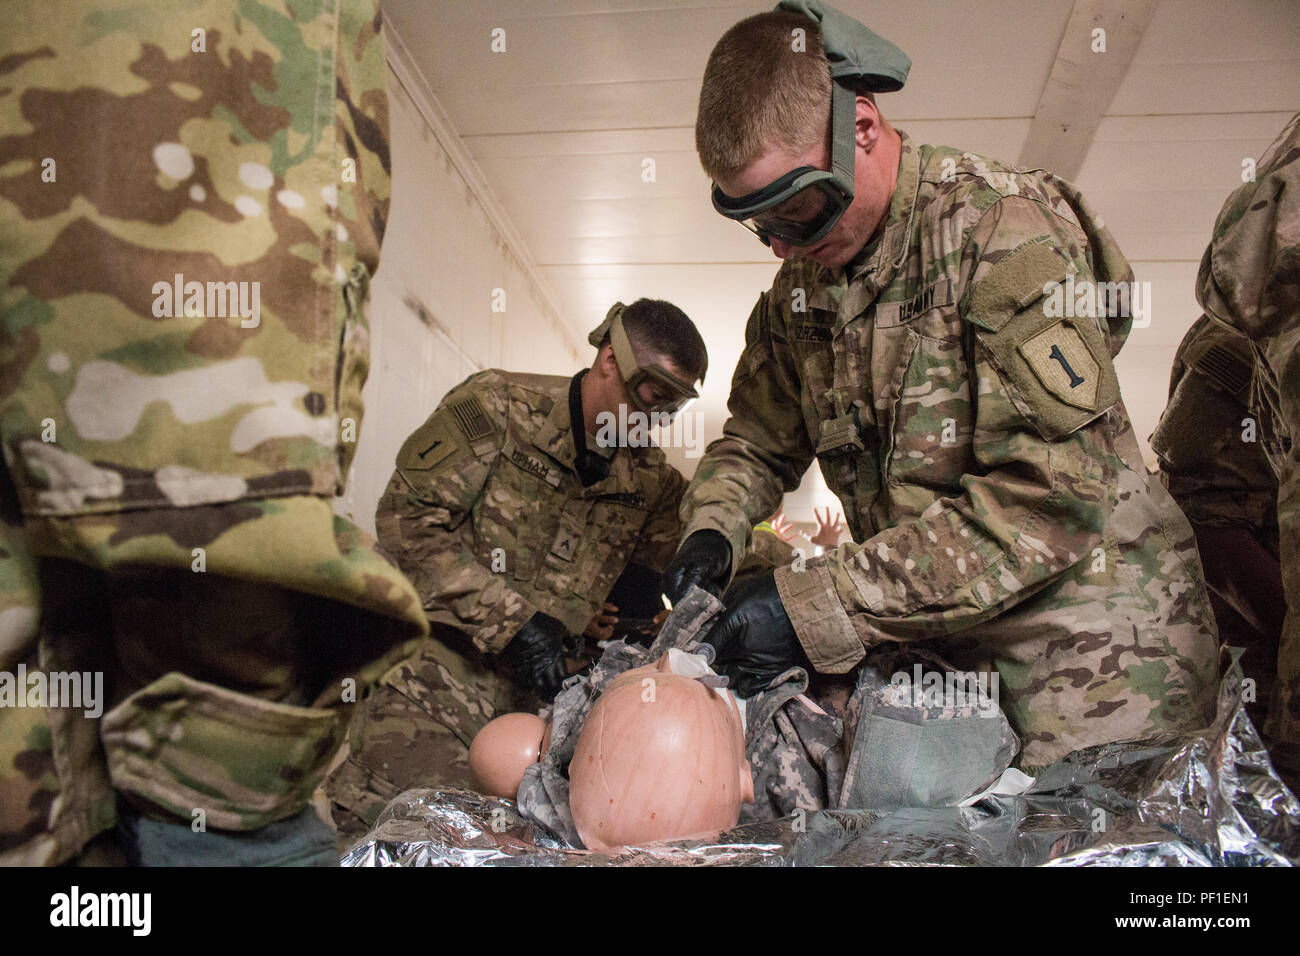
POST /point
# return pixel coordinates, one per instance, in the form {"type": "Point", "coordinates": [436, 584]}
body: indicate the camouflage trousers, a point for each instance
{"type": "Point", "coordinates": [415, 728]}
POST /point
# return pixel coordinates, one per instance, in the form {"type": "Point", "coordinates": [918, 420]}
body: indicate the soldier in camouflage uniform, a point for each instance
{"type": "Point", "coordinates": [917, 344]}
{"type": "Point", "coordinates": [169, 457]}
{"type": "Point", "coordinates": [1213, 463]}
{"type": "Point", "coordinates": [513, 535]}
{"type": "Point", "coordinates": [1249, 282]}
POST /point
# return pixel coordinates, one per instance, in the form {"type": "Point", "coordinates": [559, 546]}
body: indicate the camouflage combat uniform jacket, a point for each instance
{"type": "Point", "coordinates": [170, 461]}
{"type": "Point", "coordinates": [985, 462]}
{"type": "Point", "coordinates": [1249, 281]}
{"type": "Point", "coordinates": [486, 515]}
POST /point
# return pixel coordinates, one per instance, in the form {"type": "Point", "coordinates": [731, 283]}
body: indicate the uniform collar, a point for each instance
{"type": "Point", "coordinates": [879, 260]}
{"type": "Point", "coordinates": [555, 438]}
{"type": "Point", "coordinates": [862, 279]}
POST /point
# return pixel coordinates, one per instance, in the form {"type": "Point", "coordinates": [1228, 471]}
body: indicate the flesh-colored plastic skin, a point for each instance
{"type": "Point", "coordinates": [502, 751]}
{"type": "Point", "coordinates": [661, 757]}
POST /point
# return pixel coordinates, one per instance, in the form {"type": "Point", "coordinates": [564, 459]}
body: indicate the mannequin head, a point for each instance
{"type": "Point", "coordinates": [661, 757]}
{"type": "Point", "coordinates": [504, 749]}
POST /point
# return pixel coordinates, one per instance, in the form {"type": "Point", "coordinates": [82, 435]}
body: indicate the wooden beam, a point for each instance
{"type": "Point", "coordinates": [1083, 81]}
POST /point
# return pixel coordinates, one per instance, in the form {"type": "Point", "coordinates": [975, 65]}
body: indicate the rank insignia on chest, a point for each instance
{"type": "Point", "coordinates": [1064, 363]}
{"type": "Point", "coordinates": [566, 542]}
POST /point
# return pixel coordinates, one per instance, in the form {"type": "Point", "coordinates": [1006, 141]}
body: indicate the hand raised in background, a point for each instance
{"type": "Point", "coordinates": [828, 532]}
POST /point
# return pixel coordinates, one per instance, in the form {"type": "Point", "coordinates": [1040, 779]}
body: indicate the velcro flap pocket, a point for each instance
{"type": "Point", "coordinates": [185, 745]}
{"type": "Point", "coordinates": [1057, 367]}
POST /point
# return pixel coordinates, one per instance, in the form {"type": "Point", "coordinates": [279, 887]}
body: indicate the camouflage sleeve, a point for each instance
{"type": "Point", "coordinates": [1043, 471]}
{"type": "Point", "coordinates": [662, 531]}
{"type": "Point", "coordinates": [1249, 281]}
{"type": "Point", "coordinates": [1210, 459]}
{"type": "Point", "coordinates": [764, 448]}
{"type": "Point", "coordinates": [1249, 278]}
{"type": "Point", "coordinates": [423, 517]}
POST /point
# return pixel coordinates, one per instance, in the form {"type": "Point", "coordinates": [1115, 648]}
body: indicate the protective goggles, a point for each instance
{"type": "Point", "coordinates": [804, 205]}
{"type": "Point", "coordinates": [678, 392]}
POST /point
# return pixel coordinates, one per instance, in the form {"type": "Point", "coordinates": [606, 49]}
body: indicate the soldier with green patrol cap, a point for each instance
{"type": "Point", "coordinates": [916, 344]}
{"type": "Point", "coordinates": [514, 509]}
{"type": "Point", "coordinates": [192, 200]}
{"type": "Point", "coordinates": [1249, 283]}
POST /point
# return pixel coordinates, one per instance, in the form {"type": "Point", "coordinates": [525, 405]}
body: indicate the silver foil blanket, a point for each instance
{"type": "Point", "coordinates": [1208, 799]}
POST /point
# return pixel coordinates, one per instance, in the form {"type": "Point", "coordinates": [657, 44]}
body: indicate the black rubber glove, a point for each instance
{"type": "Point", "coordinates": [703, 559]}
{"type": "Point", "coordinates": [536, 654]}
{"type": "Point", "coordinates": [755, 640]}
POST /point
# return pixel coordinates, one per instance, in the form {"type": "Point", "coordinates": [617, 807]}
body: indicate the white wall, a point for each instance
{"type": "Point", "coordinates": [443, 249]}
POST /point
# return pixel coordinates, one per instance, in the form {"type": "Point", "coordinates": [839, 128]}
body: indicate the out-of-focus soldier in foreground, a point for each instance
{"type": "Point", "coordinates": [1249, 282]}
{"type": "Point", "coordinates": [192, 200]}
{"type": "Point", "coordinates": [514, 509]}
{"type": "Point", "coordinates": [915, 342]}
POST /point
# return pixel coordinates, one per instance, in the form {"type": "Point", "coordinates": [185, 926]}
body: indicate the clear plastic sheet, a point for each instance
{"type": "Point", "coordinates": [1210, 799]}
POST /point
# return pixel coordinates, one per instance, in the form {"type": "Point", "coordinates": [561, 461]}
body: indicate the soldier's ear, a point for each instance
{"type": "Point", "coordinates": [868, 123]}
{"type": "Point", "coordinates": [606, 363]}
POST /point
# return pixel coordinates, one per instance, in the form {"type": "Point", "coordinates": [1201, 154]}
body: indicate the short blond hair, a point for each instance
{"type": "Point", "coordinates": [758, 92]}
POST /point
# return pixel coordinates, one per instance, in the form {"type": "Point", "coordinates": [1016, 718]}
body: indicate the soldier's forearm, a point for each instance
{"type": "Point", "coordinates": [725, 505]}
{"type": "Point", "coordinates": [954, 566]}
{"type": "Point", "coordinates": [734, 488]}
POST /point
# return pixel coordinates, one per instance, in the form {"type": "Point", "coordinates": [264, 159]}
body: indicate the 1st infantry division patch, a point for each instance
{"type": "Point", "coordinates": [1064, 364]}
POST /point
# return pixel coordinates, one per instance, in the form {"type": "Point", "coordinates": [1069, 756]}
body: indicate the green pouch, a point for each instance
{"type": "Point", "coordinates": [907, 749]}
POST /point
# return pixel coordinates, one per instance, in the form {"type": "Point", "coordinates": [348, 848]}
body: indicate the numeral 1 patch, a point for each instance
{"type": "Point", "coordinates": [1065, 365]}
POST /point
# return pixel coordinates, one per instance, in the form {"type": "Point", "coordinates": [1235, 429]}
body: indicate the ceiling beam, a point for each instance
{"type": "Point", "coordinates": [1083, 81]}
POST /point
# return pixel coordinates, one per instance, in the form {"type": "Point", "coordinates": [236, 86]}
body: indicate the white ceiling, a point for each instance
{"type": "Point", "coordinates": [561, 122]}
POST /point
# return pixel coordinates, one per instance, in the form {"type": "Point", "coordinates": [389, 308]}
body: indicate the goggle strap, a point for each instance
{"type": "Point", "coordinates": [631, 370]}
{"type": "Point", "coordinates": [598, 334]}
{"type": "Point", "coordinates": [623, 353]}
{"type": "Point", "coordinates": [844, 116]}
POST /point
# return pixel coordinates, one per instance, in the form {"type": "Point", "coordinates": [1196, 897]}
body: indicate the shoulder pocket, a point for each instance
{"type": "Point", "coordinates": [1056, 366]}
